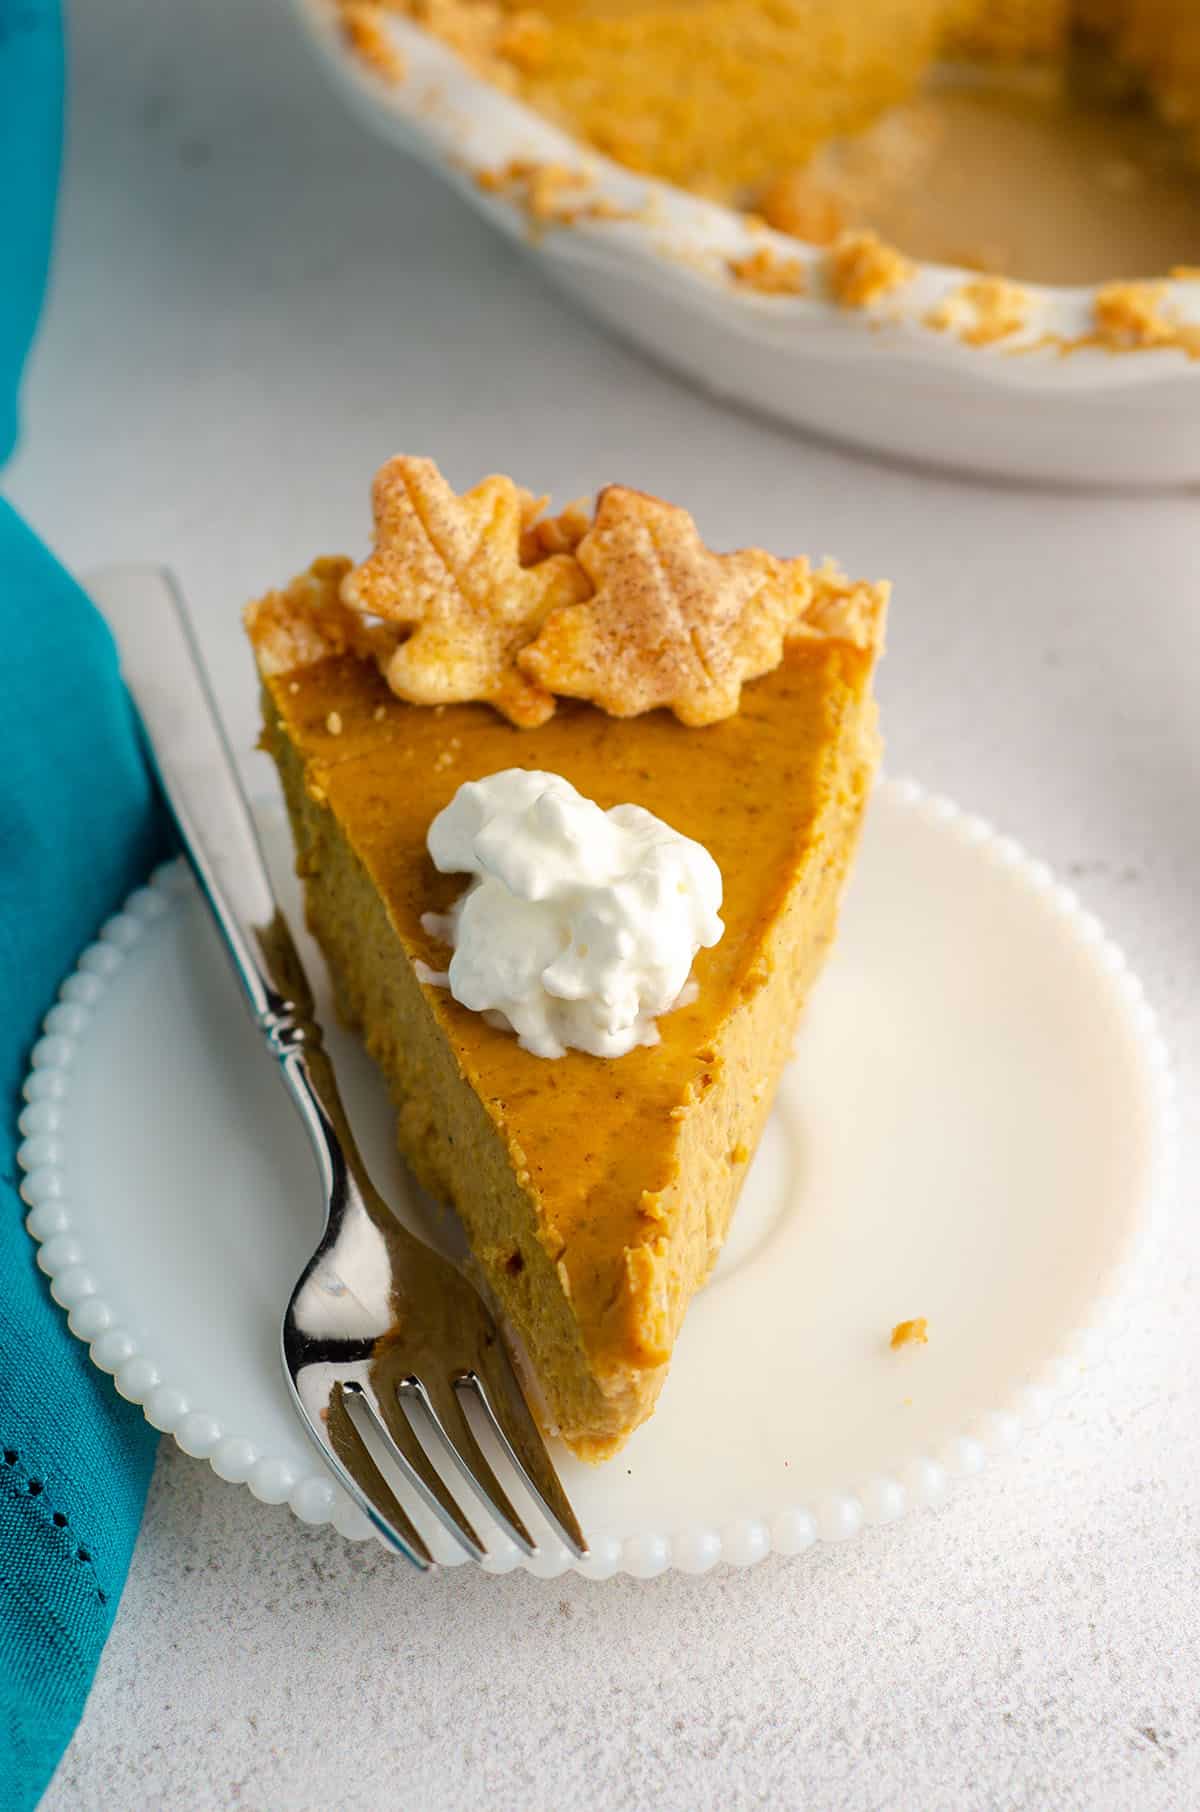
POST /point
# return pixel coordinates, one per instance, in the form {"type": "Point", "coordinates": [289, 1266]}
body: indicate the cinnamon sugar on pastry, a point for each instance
{"type": "Point", "coordinates": [669, 623]}
{"type": "Point", "coordinates": [483, 597]}
{"type": "Point", "coordinates": [447, 570]}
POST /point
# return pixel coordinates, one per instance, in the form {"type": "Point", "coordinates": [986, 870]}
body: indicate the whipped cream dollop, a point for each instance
{"type": "Point", "coordinates": [580, 925]}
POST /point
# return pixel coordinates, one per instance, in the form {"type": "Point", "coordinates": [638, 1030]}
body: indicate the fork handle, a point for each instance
{"type": "Point", "coordinates": [165, 674]}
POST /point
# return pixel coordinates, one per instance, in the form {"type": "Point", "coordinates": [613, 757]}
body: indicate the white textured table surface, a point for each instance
{"type": "Point", "coordinates": [254, 304]}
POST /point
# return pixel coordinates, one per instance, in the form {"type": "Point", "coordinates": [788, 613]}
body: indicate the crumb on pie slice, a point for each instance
{"type": "Point", "coordinates": [595, 1192]}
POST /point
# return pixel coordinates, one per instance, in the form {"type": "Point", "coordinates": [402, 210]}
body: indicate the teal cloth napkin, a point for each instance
{"type": "Point", "coordinates": [78, 829]}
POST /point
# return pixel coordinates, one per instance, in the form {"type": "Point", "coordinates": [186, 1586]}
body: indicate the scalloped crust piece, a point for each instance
{"type": "Point", "coordinates": [305, 622]}
{"type": "Point", "coordinates": [845, 610]}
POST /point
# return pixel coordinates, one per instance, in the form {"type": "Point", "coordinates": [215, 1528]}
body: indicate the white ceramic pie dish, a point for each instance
{"type": "Point", "coordinates": [879, 377]}
{"type": "Point", "coordinates": [976, 1128]}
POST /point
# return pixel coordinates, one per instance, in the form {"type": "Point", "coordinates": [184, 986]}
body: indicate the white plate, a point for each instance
{"type": "Point", "coordinates": [881, 377]}
{"type": "Point", "coordinates": [972, 1130]}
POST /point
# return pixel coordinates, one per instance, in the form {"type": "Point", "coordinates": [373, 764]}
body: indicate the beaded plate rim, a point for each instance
{"type": "Point", "coordinates": [315, 1498]}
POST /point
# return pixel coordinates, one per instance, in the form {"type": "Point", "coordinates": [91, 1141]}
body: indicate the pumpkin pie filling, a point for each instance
{"type": "Point", "coordinates": [595, 1192]}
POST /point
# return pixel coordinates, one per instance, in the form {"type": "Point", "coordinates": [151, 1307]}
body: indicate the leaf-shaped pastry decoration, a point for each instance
{"type": "Point", "coordinates": [669, 623]}
{"type": "Point", "coordinates": [447, 573]}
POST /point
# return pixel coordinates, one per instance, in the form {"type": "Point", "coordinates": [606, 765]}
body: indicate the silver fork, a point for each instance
{"type": "Point", "coordinates": [384, 1341]}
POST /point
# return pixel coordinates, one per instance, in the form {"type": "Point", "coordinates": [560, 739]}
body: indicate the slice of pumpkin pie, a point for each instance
{"type": "Point", "coordinates": [573, 801]}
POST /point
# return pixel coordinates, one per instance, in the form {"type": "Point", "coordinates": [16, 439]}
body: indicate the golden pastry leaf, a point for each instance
{"type": "Point", "coordinates": [447, 572]}
{"type": "Point", "coordinates": [670, 624]}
